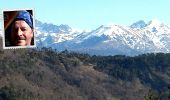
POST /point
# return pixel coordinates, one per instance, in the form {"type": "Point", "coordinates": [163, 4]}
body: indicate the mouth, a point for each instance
{"type": "Point", "coordinates": [20, 42]}
{"type": "Point", "coordinates": [20, 38]}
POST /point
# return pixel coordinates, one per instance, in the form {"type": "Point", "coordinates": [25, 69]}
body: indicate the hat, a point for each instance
{"type": "Point", "coordinates": [26, 16]}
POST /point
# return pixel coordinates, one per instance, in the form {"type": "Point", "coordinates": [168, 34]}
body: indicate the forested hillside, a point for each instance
{"type": "Point", "coordinates": [46, 74]}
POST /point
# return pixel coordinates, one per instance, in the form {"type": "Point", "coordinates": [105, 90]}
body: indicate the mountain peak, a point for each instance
{"type": "Point", "coordinates": [154, 23]}
{"type": "Point", "coordinates": [138, 24]}
{"type": "Point", "coordinates": [52, 28]}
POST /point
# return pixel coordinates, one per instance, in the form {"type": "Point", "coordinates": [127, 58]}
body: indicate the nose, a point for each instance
{"type": "Point", "coordinates": [19, 33]}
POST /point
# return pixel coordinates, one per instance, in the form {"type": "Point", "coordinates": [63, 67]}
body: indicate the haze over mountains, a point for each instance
{"type": "Point", "coordinates": [138, 38]}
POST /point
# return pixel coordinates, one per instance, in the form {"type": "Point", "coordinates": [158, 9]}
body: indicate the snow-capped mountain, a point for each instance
{"type": "Point", "coordinates": [48, 34]}
{"type": "Point", "coordinates": [138, 38]}
{"type": "Point", "coordinates": [51, 28]}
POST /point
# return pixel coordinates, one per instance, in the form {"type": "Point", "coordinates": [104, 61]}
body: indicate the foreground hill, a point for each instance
{"type": "Point", "coordinates": [45, 74]}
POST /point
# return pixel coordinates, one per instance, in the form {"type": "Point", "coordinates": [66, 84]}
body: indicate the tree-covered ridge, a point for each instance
{"type": "Point", "coordinates": [149, 68]}
{"type": "Point", "coordinates": [46, 74]}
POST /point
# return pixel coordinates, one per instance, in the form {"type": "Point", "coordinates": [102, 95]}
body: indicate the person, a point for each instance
{"type": "Point", "coordinates": [22, 29]}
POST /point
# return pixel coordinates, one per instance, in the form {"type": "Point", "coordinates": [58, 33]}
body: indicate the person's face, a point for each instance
{"type": "Point", "coordinates": [22, 33]}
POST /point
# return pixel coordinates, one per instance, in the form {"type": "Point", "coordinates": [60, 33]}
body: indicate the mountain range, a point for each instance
{"type": "Point", "coordinates": [46, 74]}
{"type": "Point", "coordinates": [138, 38]}
{"type": "Point", "coordinates": [113, 39]}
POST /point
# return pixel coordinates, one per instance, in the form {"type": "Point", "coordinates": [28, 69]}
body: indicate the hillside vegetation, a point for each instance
{"type": "Point", "coordinates": [45, 74]}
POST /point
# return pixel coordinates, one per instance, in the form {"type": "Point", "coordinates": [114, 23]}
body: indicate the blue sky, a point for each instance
{"type": "Point", "coordinates": [90, 14]}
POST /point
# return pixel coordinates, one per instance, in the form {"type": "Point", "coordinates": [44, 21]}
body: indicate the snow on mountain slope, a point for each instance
{"type": "Point", "coordinates": [157, 33]}
{"type": "Point", "coordinates": [138, 38]}
{"type": "Point", "coordinates": [112, 39]}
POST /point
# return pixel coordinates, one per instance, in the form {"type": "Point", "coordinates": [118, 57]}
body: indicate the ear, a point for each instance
{"type": "Point", "coordinates": [32, 35]}
{"type": "Point", "coordinates": [32, 31]}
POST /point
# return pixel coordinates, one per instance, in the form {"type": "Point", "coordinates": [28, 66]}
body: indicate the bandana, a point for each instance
{"type": "Point", "coordinates": [26, 16]}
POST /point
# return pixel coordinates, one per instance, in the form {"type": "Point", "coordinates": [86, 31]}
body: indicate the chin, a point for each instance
{"type": "Point", "coordinates": [21, 44]}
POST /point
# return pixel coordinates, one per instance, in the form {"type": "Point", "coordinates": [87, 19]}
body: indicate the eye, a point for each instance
{"type": "Point", "coordinates": [23, 29]}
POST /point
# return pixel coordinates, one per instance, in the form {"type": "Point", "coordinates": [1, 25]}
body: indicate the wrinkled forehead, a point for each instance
{"type": "Point", "coordinates": [20, 23]}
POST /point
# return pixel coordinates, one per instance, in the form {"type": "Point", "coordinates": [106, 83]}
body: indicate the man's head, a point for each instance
{"type": "Point", "coordinates": [22, 29]}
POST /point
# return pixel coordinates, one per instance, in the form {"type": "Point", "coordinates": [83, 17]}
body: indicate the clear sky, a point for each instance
{"type": "Point", "coordinates": [90, 14]}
